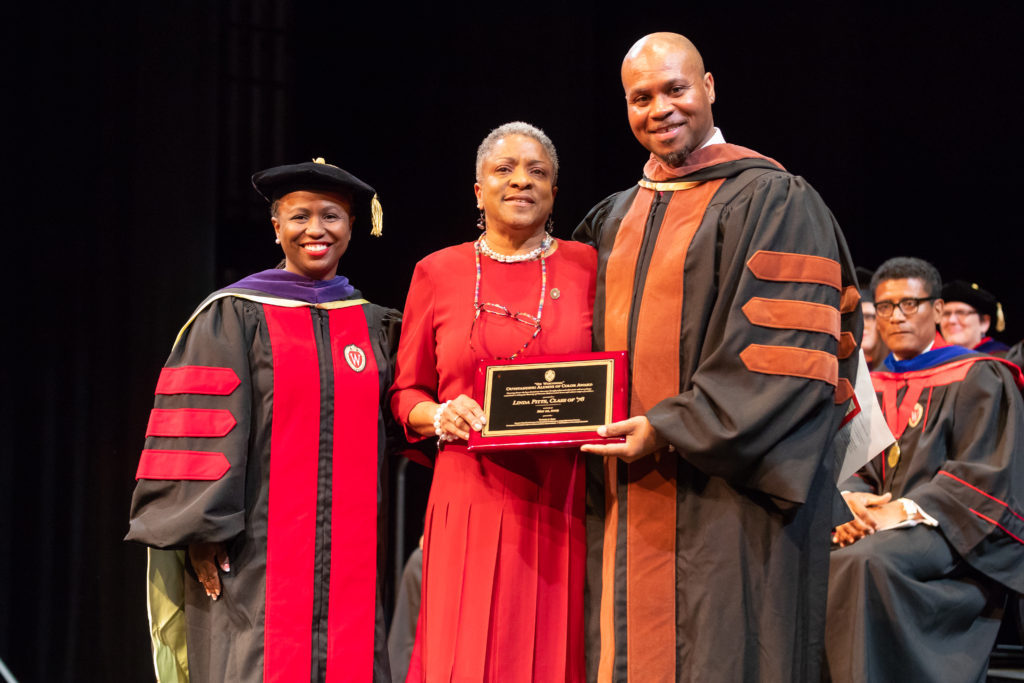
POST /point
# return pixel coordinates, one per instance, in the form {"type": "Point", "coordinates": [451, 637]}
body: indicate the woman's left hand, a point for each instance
{"type": "Point", "coordinates": [206, 558]}
{"type": "Point", "coordinates": [460, 416]}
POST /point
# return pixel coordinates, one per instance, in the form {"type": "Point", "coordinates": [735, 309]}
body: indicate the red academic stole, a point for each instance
{"type": "Point", "coordinates": [651, 491]}
{"type": "Point", "coordinates": [888, 384]}
{"type": "Point", "coordinates": [292, 507]}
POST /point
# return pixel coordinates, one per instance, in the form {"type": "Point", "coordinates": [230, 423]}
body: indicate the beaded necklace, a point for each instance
{"type": "Point", "coordinates": [512, 258]}
{"type": "Point", "coordinates": [498, 309]}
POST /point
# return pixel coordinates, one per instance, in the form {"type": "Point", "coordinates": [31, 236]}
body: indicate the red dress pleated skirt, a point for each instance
{"type": "Point", "coordinates": [503, 569]}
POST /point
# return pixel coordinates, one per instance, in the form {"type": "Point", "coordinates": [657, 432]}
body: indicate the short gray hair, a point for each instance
{"type": "Point", "coordinates": [516, 128]}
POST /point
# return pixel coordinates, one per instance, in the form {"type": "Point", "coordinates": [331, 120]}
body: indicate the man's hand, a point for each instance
{"type": "Point", "coordinates": [889, 515]}
{"type": "Point", "coordinates": [206, 558]}
{"type": "Point", "coordinates": [641, 439]}
{"type": "Point", "coordinates": [868, 516]}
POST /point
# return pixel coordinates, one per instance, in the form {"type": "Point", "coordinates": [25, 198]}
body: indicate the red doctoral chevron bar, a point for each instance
{"type": "Point", "coordinates": [195, 465]}
{"type": "Point", "coordinates": [194, 379]}
{"type": "Point", "coordinates": [194, 422]}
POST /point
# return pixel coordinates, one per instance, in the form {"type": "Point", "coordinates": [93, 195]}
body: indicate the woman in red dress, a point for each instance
{"type": "Point", "coordinates": [504, 536]}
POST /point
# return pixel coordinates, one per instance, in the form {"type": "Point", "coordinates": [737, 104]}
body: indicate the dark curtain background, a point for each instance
{"type": "Point", "coordinates": [133, 129]}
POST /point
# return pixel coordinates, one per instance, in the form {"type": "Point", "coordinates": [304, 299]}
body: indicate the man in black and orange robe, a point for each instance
{"type": "Point", "coordinates": [729, 283]}
{"type": "Point", "coordinates": [918, 586]}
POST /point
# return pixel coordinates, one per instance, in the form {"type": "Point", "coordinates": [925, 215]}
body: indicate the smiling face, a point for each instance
{"type": "Point", "coordinates": [515, 189]}
{"type": "Point", "coordinates": [961, 324]}
{"type": "Point", "coordinates": [314, 229]}
{"type": "Point", "coordinates": [907, 335]}
{"type": "Point", "coordinates": [668, 97]}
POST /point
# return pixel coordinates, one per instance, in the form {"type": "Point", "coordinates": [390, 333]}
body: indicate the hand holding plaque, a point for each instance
{"type": "Point", "coordinates": [549, 401]}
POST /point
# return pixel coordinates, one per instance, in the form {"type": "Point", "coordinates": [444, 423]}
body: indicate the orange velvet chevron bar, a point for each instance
{"type": "Point", "coordinates": [849, 299]}
{"type": "Point", "coordinates": [783, 266]}
{"type": "Point", "coordinates": [188, 465]}
{"type": "Point", "coordinates": [847, 344]}
{"type": "Point", "coordinates": [792, 361]}
{"type": "Point", "coordinates": [844, 391]}
{"type": "Point", "coordinates": [788, 314]}
{"type": "Point", "coordinates": [194, 379]}
{"type": "Point", "coordinates": [193, 422]}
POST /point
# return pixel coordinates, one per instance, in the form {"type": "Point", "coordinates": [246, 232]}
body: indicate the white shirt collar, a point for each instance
{"type": "Point", "coordinates": [929, 348]}
{"type": "Point", "coordinates": [716, 139]}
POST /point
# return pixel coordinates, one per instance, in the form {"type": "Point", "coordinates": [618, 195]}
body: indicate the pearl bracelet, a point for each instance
{"type": "Point", "coordinates": [441, 435]}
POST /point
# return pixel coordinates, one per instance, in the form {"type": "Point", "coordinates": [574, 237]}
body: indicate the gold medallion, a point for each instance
{"type": "Point", "coordinates": [893, 457]}
{"type": "Point", "coordinates": [915, 415]}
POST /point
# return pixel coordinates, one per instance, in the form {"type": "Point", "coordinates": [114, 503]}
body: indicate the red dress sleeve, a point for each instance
{"type": "Point", "coordinates": [416, 370]}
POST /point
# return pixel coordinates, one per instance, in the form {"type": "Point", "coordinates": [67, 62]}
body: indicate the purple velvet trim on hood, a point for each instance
{"type": "Point", "coordinates": [282, 283]}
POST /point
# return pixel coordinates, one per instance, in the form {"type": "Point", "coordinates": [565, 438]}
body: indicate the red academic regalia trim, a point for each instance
{"type": "Point", "coordinates": [194, 422]}
{"type": "Point", "coordinates": [352, 598]}
{"type": "Point", "coordinates": [291, 513]}
{"type": "Point", "coordinates": [897, 416]}
{"type": "Point", "coordinates": [987, 495]}
{"type": "Point", "coordinates": [784, 266]}
{"type": "Point", "coordinates": [185, 465]}
{"type": "Point", "coordinates": [194, 379]}
{"type": "Point", "coordinates": [994, 522]}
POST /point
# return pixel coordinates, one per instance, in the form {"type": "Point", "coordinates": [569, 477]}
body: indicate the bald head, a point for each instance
{"type": "Point", "coordinates": [668, 96]}
{"type": "Point", "coordinates": [659, 46]}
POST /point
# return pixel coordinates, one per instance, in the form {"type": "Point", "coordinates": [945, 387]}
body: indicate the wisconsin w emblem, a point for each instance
{"type": "Point", "coordinates": [355, 357]}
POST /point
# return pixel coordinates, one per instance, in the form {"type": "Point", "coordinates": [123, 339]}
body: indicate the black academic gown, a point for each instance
{"type": "Point", "coordinates": [925, 603]}
{"type": "Point", "coordinates": [733, 291]}
{"type": "Point", "coordinates": [267, 435]}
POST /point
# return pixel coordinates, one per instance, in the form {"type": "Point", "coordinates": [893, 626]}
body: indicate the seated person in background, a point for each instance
{"type": "Point", "coordinates": [967, 314]}
{"type": "Point", "coordinates": [402, 635]}
{"type": "Point", "coordinates": [871, 343]}
{"type": "Point", "coordinates": [918, 584]}
{"type": "Point", "coordinates": [1016, 354]}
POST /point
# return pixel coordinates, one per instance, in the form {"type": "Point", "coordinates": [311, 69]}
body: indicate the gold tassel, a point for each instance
{"type": "Point", "coordinates": [1000, 320]}
{"type": "Point", "coordinates": [376, 217]}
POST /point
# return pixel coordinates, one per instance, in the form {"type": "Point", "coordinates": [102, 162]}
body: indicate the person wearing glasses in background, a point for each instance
{"type": "Point", "coordinates": [504, 542]}
{"type": "Point", "coordinates": [967, 316]}
{"type": "Point", "coordinates": [918, 582]}
{"type": "Point", "coordinates": [871, 343]}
